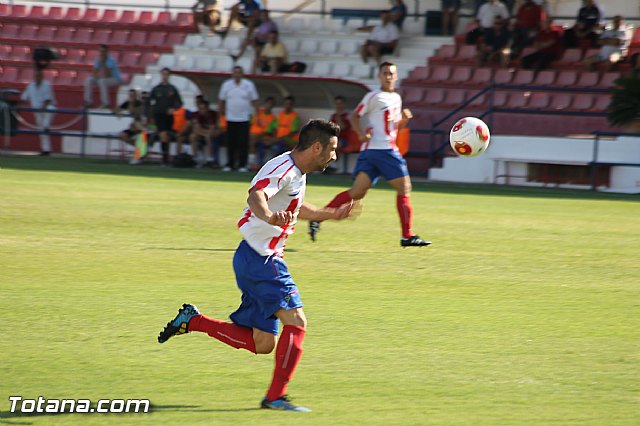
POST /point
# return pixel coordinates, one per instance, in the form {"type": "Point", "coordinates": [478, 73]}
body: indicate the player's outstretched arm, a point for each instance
{"type": "Point", "coordinates": [311, 212]}
{"type": "Point", "coordinates": [258, 204]}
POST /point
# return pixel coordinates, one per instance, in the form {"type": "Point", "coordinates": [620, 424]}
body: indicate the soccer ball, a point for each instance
{"type": "Point", "coordinates": [469, 137]}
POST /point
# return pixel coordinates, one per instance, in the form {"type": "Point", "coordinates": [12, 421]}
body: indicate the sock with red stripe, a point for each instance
{"type": "Point", "coordinates": [227, 332]}
{"type": "Point", "coordinates": [405, 211]}
{"type": "Point", "coordinates": [288, 353]}
{"type": "Point", "coordinates": [340, 199]}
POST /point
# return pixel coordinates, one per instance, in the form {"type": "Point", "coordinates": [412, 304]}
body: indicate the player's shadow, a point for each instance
{"type": "Point", "coordinates": [200, 249]}
{"type": "Point", "coordinates": [196, 409]}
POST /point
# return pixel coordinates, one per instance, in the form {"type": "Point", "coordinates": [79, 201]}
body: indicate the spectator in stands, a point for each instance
{"type": "Point", "coordinates": [398, 13]}
{"type": "Point", "coordinates": [245, 12]}
{"type": "Point", "coordinates": [493, 46]}
{"type": "Point", "coordinates": [146, 105]}
{"type": "Point", "coordinates": [340, 116]}
{"type": "Point", "coordinates": [260, 36]}
{"type": "Point", "coordinates": [450, 10]}
{"type": "Point", "coordinates": [283, 131]}
{"type": "Point", "coordinates": [613, 42]}
{"type": "Point", "coordinates": [165, 100]}
{"type": "Point", "coordinates": [260, 122]}
{"type": "Point", "coordinates": [204, 135]}
{"type": "Point", "coordinates": [586, 26]}
{"type": "Point", "coordinates": [206, 12]}
{"type": "Point", "coordinates": [238, 98]}
{"type": "Point", "coordinates": [133, 106]}
{"type": "Point", "coordinates": [273, 56]}
{"type": "Point", "coordinates": [527, 25]}
{"type": "Point", "coordinates": [382, 40]}
{"type": "Point", "coordinates": [547, 45]}
{"type": "Point", "coordinates": [42, 56]}
{"type": "Point", "coordinates": [40, 95]}
{"type": "Point", "coordinates": [485, 18]}
{"type": "Point", "coordinates": [105, 74]}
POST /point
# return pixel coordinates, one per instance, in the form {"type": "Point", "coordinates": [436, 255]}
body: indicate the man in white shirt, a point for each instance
{"type": "Point", "coordinates": [40, 95]}
{"type": "Point", "coordinates": [613, 42]}
{"type": "Point", "coordinates": [489, 11]}
{"type": "Point", "coordinates": [237, 100]}
{"type": "Point", "coordinates": [382, 41]}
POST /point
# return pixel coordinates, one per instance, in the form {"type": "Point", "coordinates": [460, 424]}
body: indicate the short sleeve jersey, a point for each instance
{"type": "Point", "coordinates": [383, 111]}
{"type": "Point", "coordinates": [284, 185]}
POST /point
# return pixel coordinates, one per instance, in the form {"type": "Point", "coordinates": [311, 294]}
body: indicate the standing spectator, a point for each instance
{"type": "Point", "coordinates": [42, 56]}
{"type": "Point", "coordinates": [382, 40]}
{"type": "Point", "coordinates": [493, 45]}
{"type": "Point", "coordinates": [260, 122]}
{"type": "Point", "coordinates": [40, 96]}
{"type": "Point", "coordinates": [283, 131]}
{"type": "Point", "coordinates": [613, 42]}
{"type": "Point", "coordinates": [398, 13]}
{"type": "Point", "coordinates": [133, 106]}
{"type": "Point", "coordinates": [548, 45]}
{"type": "Point", "coordinates": [450, 10]}
{"type": "Point", "coordinates": [273, 56]}
{"type": "Point", "coordinates": [238, 97]}
{"type": "Point", "coordinates": [165, 100]}
{"type": "Point", "coordinates": [105, 74]}
{"type": "Point", "coordinates": [204, 134]}
{"type": "Point", "coordinates": [527, 25]}
{"type": "Point", "coordinates": [206, 12]}
{"type": "Point", "coordinates": [587, 23]}
{"type": "Point", "coordinates": [245, 12]}
{"type": "Point", "coordinates": [260, 36]}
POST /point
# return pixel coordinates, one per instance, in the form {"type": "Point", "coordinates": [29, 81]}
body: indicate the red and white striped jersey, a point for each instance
{"type": "Point", "coordinates": [284, 185]}
{"type": "Point", "coordinates": [383, 111]}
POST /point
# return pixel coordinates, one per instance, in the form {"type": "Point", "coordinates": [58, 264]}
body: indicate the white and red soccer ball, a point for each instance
{"type": "Point", "coordinates": [469, 137]}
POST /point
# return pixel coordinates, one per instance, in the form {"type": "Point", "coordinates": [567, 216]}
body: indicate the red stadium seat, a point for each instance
{"type": "Point", "coordinates": [608, 79]}
{"type": "Point", "coordinates": [47, 33]}
{"type": "Point", "coordinates": [500, 98]}
{"type": "Point", "coordinates": [156, 38]}
{"type": "Point", "coordinates": [163, 18]}
{"type": "Point", "coordinates": [25, 75]}
{"type": "Point", "coordinates": [119, 37]}
{"type": "Point", "coordinates": [433, 96]}
{"type": "Point", "coordinates": [101, 36]}
{"type": "Point", "coordinates": [418, 74]}
{"type": "Point", "coordinates": [91, 15]}
{"type": "Point", "coordinates": [9, 74]}
{"type": "Point", "coordinates": [66, 77]}
{"type": "Point", "coordinates": [466, 53]}
{"type": "Point", "coordinates": [443, 55]}
{"type": "Point", "coordinates": [21, 53]}
{"type": "Point", "coordinates": [523, 77]}
{"type": "Point", "coordinates": [55, 12]}
{"type": "Point", "coordinates": [18, 11]}
{"type": "Point", "coordinates": [91, 55]}
{"type": "Point", "coordinates": [481, 102]}
{"type": "Point", "coordinates": [503, 76]}
{"type": "Point", "coordinates": [5, 10]}
{"type": "Point", "coordinates": [518, 100]}
{"type": "Point", "coordinates": [83, 35]}
{"type": "Point", "coordinates": [561, 101]}
{"type": "Point", "coordinates": [582, 101]}
{"type": "Point", "coordinates": [438, 74]}
{"type": "Point", "coordinates": [10, 30]}
{"type": "Point", "coordinates": [109, 16]}
{"type": "Point", "coordinates": [567, 78]}
{"type": "Point", "coordinates": [601, 102]}
{"type": "Point", "coordinates": [28, 32]}
{"type": "Point", "coordinates": [481, 76]}
{"type": "Point", "coordinates": [184, 19]}
{"type": "Point", "coordinates": [130, 59]}
{"type": "Point", "coordinates": [460, 75]}
{"type": "Point", "coordinates": [145, 18]}
{"type": "Point", "coordinates": [128, 17]}
{"type": "Point", "coordinates": [65, 34]}
{"type": "Point", "coordinates": [73, 14]}
{"type": "Point", "coordinates": [149, 58]}
{"type": "Point", "coordinates": [586, 79]}
{"type": "Point", "coordinates": [413, 95]}
{"type": "Point", "coordinates": [138, 38]}
{"type": "Point", "coordinates": [539, 100]}
{"type": "Point", "coordinates": [545, 78]}
{"type": "Point", "coordinates": [175, 39]}
{"type": "Point", "coordinates": [570, 58]}
{"type": "Point", "coordinates": [37, 12]}
{"type": "Point", "coordinates": [76, 56]}
{"type": "Point", "coordinates": [5, 52]}
{"type": "Point", "coordinates": [454, 97]}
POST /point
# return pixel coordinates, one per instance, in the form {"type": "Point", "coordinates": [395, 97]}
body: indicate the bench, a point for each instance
{"type": "Point", "coordinates": [551, 171]}
{"type": "Point", "coordinates": [346, 14]}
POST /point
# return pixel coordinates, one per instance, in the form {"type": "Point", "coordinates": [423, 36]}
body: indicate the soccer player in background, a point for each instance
{"type": "Point", "coordinates": [379, 155]}
{"type": "Point", "coordinates": [269, 294]}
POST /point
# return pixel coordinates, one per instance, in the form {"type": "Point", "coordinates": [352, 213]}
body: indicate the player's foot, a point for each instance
{"type": "Point", "coordinates": [414, 241]}
{"type": "Point", "coordinates": [314, 228]}
{"type": "Point", "coordinates": [282, 403]}
{"type": "Point", "coordinates": [180, 324]}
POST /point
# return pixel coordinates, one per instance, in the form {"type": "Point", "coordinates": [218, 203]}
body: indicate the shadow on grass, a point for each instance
{"type": "Point", "coordinates": [120, 168]}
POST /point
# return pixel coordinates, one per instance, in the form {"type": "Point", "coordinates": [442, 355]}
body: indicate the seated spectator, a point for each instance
{"type": "Point", "coordinates": [206, 12]}
{"type": "Point", "coordinates": [340, 116]}
{"type": "Point", "coordinates": [547, 45]}
{"type": "Point", "coordinates": [283, 132]}
{"type": "Point", "coordinates": [260, 36]}
{"type": "Point", "coordinates": [450, 10]}
{"type": "Point", "coordinates": [205, 134]}
{"type": "Point", "coordinates": [613, 42]}
{"type": "Point", "coordinates": [165, 100]}
{"type": "Point", "coordinates": [493, 46]}
{"type": "Point", "coordinates": [587, 23]}
{"type": "Point", "coordinates": [245, 12]}
{"type": "Point", "coordinates": [133, 106]}
{"type": "Point", "coordinates": [260, 122]}
{"type": "Point", "coordinates": [382, 41]}
{"type": "Point", "coordinates": [105, 74]}
{"type": "Point", "coordinates": [273, 56]}
{"type": "Point", "coordinates": [527, 25]}
{"type": "Point", "coordinates": [485, 18]}
{"type": "Point", "coordinates": [398, 13]}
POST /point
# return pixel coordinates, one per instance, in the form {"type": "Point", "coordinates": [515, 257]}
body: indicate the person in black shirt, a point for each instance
{"type": "Point", "coordinates": [42, 57]}
{"type": "Point", "coordinates": [133, 106]}
{"type": "Point", "coordinates": [586, 26]}
{"type": "Point", "coordinates": [164, 101]}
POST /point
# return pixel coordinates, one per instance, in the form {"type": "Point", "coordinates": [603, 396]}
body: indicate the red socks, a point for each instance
{"type": "Point", "coordinates": [227, 332]}
{"type": "Point", "coordinates": [406, 214]}
{"type": "Point", "coordinates": [340, 199]}
{"type": "Point", "coordinates": [288, 353]}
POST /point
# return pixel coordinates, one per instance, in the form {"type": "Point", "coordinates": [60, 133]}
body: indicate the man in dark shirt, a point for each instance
{"type": "Point", "coordinates": [496, 39]}
{"type": "Point", "coordinates": [587, 23]}
{"type": "Point", "coordinates": [204, 134]}
{"type": "Point", "coordinates": [164, 100]}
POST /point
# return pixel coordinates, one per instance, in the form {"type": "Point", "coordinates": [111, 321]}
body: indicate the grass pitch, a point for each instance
{"type": "Point", "coordinates": [525, 310]}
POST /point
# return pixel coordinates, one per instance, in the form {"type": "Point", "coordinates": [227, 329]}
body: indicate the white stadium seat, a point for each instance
{"type": "Point", "coordinates": [231, 43]}
{"type": "Point", "coordinates": [224, 64]}
{"type": "Point", "coordinates": [291, 44]}
{"type": "Point", "coordinates": [319, 25]}
{"type": "Point", "coordinates": [295, 24]}
{"type": "Point", "coordinates": [213, 42]}
{"type": "Point", "coordinates": [194, 40]}
{"type": "Point", "coordinates": [354, 23]}
{"type": "Point", "coordinates": [184, 62]}
{"type": "Point", "coordinates": [328, 47]}
{"type": "Point", "coordinates": [348, 47]}
{"type": "Point", "coordinates": [341, 69]}
{"type": "Point", "coordinates": [245, 62]}
{"type": "Point", "coordinates": [204, 63]}
{"type": "Point", "coordinates": [166, 60]}
{"type": "Point", "coordinates": [321, 69]}
{"type": "Point", "coordinates": [308, 46]}
{"type": "Point", "coordinates": [361, 71]}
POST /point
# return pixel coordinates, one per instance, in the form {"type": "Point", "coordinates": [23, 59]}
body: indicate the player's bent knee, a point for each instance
{"type": "Point", "coordinates": [265, 342]}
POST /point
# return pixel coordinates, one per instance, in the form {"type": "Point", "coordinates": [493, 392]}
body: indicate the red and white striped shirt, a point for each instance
{"type": "Point", "coordinates": [284, 185]}
{"type": "Point", "coordinates": [383, 111]}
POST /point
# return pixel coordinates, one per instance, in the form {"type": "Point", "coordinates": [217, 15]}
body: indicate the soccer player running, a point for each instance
{"type": "Point", "coordinates": [269, 294]}
{"type": "Point", "coordinates": [379, 154]}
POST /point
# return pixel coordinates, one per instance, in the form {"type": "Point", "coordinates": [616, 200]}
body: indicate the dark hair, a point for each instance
{"type": "Point", "coordinates": [339, 98]}
{"type": "Point", "coordinates": [289, 98]}
{"type": "Point", "coordinates": [270, 98]}
{"type": "Point", "coordinates": [317, 130]}
{"type": "Point", "coordinates": [104, 46]}
{"type": "Point", "coordinates": [386, 64]}
{"type": "Point", "coordinates": [165, 69]}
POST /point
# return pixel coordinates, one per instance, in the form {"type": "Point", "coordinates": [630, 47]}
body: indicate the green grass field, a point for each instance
{"type": "Point", "coordinates": [525, 310]}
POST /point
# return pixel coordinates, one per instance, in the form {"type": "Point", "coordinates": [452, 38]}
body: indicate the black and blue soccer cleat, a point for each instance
{"type": "Point", "coordinates": [414, 241]}
{"type": "Point", "coordinates": [180, 324]}
{"type": "Point", "coordinates": [283, 403]}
